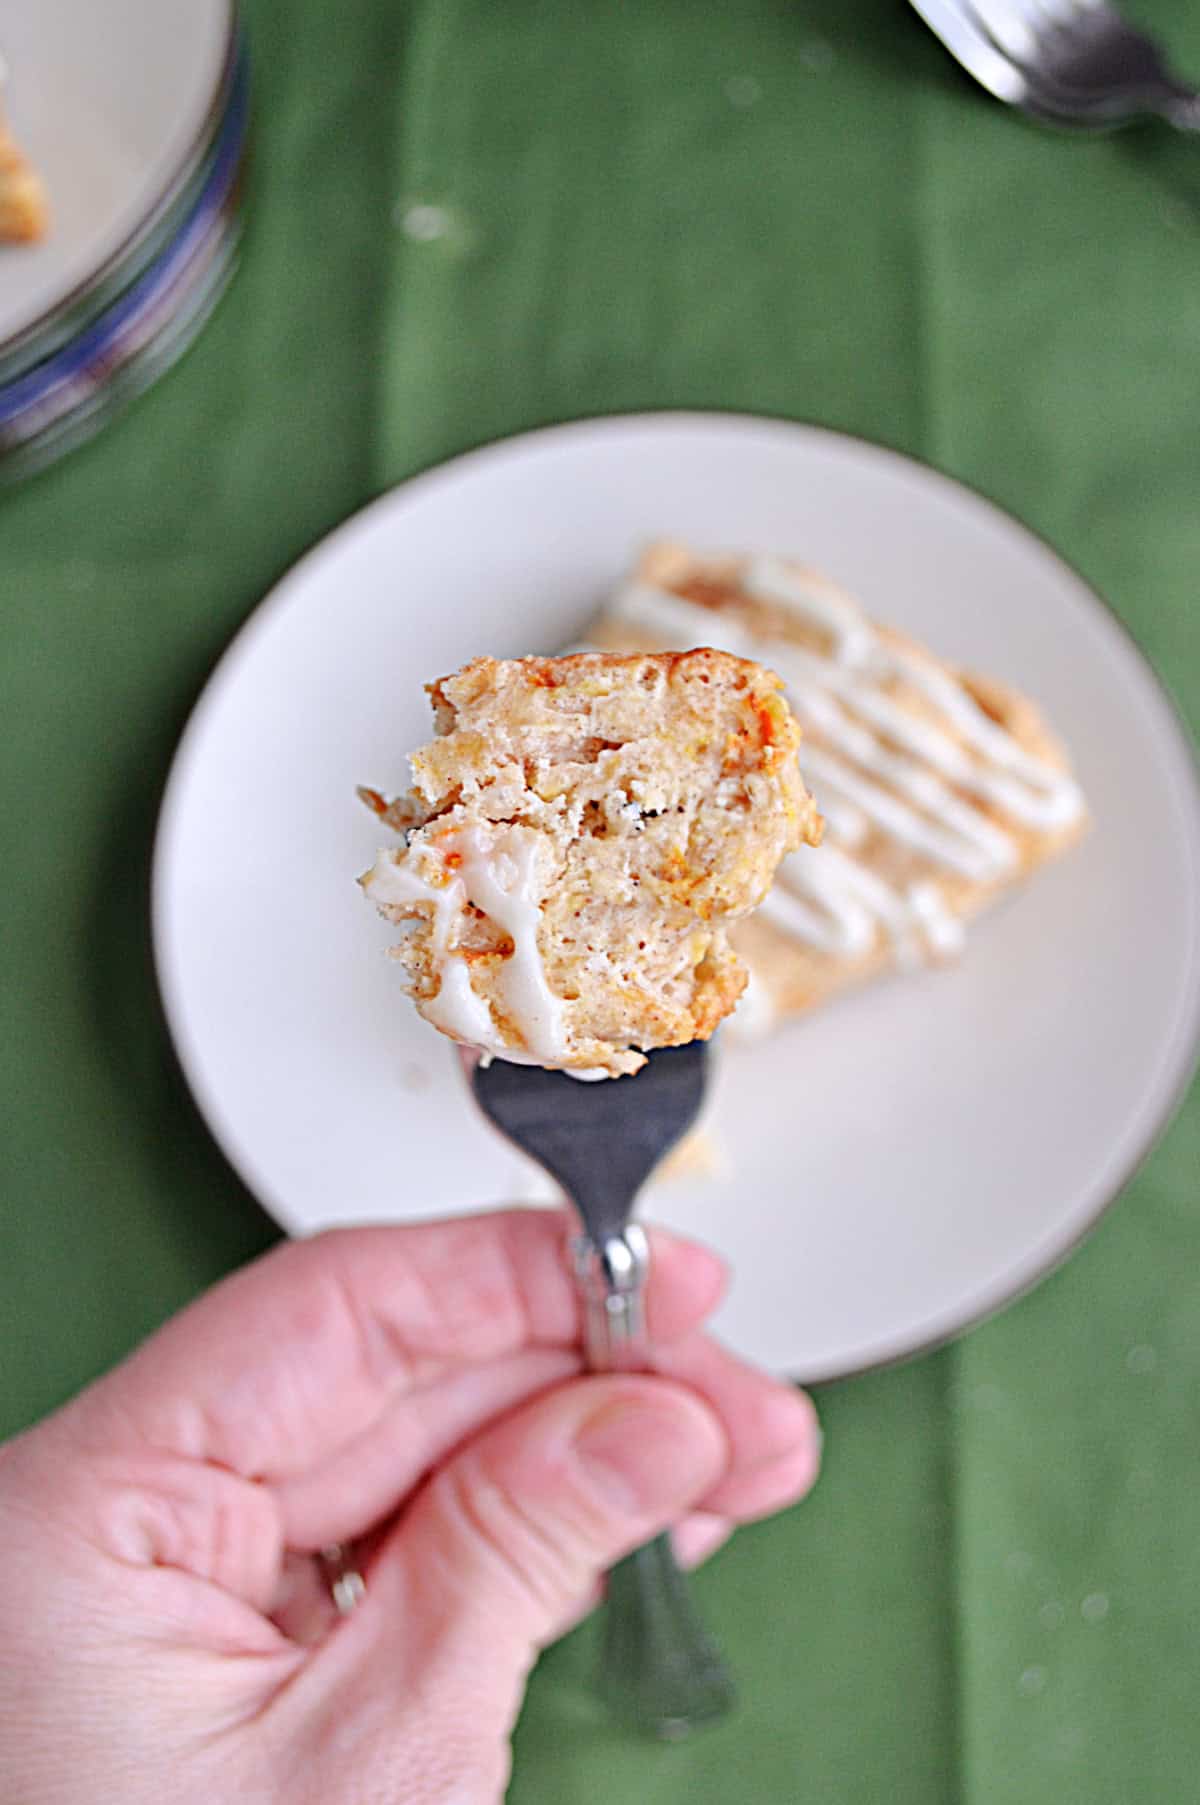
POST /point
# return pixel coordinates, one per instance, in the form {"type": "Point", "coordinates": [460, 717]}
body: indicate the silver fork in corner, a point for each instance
{"type": "Point", "coordinates": [660, 1670]}
{"type": "Point", "coordinates": [1073, 63]}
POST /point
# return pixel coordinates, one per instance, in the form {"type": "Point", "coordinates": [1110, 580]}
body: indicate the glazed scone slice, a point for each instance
{"type": "Point", "coordinates": [940, 789]}
{"type": "Point", "coordinates": [581, 835]}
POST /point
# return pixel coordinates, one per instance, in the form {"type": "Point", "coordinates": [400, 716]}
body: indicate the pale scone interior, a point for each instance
{"type": "Point", "coordinates": [580, 835]}
{"type": "Point", "coordinates": [939, 788]}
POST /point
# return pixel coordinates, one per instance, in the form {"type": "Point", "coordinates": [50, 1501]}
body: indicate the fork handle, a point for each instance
{"type": "Point", "coordinates": [612, 1281]}
{"type": "Point", "coordinates": [661, 1672]}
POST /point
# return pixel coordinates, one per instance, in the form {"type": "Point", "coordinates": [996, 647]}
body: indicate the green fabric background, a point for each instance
{"type": "Point", "coordinates": [994, 1595]}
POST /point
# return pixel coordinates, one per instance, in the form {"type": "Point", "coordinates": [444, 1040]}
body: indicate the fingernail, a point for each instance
{"type": "Point", "coordinates": [651, 1458]}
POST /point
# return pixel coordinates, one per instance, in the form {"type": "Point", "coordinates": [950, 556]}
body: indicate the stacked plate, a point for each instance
{"type": "Point", "coordinates": [134, 114]}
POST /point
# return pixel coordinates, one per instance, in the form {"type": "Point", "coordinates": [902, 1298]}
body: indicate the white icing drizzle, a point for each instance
{"type": "Point", "coordinates": [962, 841]}
{"type": "Point", "coordinates": [457, 1009]}
{"type": "Point", "coordinates": [1025, 788]}
{"type": "Point", "coordinates": [836, 905]}
{"type": "Point", "coordinates": [829, 907]}
{"type": "Point", "coordinates": [824, 897]}
{"type": "Point", "coordinates": [854, 638]}
{"type": "Point", "coordinates": [944, 933]}
{"type": "Point", "coordinates": [497, 872]}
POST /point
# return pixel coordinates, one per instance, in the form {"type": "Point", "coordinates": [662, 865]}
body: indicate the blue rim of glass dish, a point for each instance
{"type": "Point", "coordinates": [159, 354]}
{"type": "Point", "coordinates": [27, 403]}
{"type": "Point", "coordinates": [37, 341]}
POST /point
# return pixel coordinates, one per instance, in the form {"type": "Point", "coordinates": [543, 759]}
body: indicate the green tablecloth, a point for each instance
{"type": "Point", "coordinates": [795, 206]}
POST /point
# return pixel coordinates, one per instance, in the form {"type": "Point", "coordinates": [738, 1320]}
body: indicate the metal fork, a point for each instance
{"type": "Point", "coordinates": [660, 1671]}
{"type": "Point", "coordinates": [1073, 63]}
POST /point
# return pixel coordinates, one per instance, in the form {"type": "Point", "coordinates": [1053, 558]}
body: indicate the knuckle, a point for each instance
{"type": "Point", "coordinates": [547, 1557]}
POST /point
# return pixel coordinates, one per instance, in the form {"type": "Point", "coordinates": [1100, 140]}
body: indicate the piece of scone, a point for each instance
{"type": "Point", "coordinates": [939, 788]}
{"type": "Point", "coordinates": [581, 833]}
{"type": "Point", "coordinates": [23, 210]}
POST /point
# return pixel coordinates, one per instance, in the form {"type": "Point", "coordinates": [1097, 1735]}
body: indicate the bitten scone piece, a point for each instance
{"type": "Point", "coordinates": [939, 788]}
{"type": "Point", "coordinates": [581, 833]}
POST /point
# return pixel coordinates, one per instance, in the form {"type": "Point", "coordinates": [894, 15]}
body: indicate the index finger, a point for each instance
{"type": "Point", "coordinates": [293, 1355]}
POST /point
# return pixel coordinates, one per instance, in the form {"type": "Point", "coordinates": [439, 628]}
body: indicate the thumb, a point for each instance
{"type": "Point", "coordinates": [516, 1529]}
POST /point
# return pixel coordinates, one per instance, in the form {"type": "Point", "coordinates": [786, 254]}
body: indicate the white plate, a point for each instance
{"type": "Point", "coordinates": [110, 101]}
{"type": "Point", "coordinates": [895, 1166]}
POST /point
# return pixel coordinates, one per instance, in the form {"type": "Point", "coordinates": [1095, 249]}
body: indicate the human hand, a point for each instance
{"type": "Point", "coordinates": [165, 1630]}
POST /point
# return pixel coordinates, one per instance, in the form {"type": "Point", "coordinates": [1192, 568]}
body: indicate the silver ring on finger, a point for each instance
{"type": "Point", "coordinates": [347, 1587]}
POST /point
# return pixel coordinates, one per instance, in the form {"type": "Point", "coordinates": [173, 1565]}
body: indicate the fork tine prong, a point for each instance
{"type": "Point", "coordinates": [1076, 63]}
{"type": "Point", "coordinates": [1007, 24]}
{"type": "Point", "coordinates": [1061, 15]}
